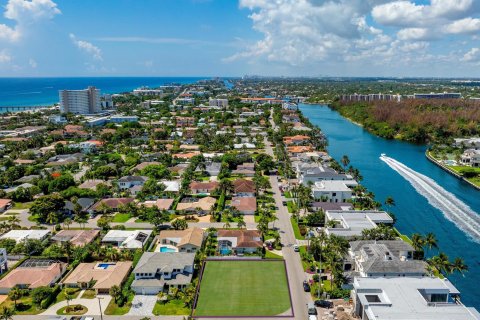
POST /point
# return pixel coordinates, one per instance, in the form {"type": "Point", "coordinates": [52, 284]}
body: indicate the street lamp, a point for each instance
{"type": "Point", "coordinates": [100, 306]}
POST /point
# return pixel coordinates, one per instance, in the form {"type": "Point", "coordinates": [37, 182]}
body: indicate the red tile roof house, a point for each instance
{"type": "Point", "coordinates": [239, 241]}
{"type": "Point", "coordinates": [5, 204]}
{"type": "Point", "coordinates": [246, 205]}
{"type": "Point", "coordinates": [113, 203]}
{"type": "Point", "coordinates": [203, 187]}
{"type": "Point", "coordinates": [33, 273]}
{"type": "Point", "coordinates": [244, 188]}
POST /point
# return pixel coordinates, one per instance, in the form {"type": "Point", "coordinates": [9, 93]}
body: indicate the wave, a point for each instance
{"type": "Point", "coordinates": [452, 208]}
{"type": "Point", "coordinates": [32, 92]}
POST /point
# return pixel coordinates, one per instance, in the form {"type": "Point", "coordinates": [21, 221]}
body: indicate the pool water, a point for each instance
{"type": "Point", "coordinates": [104, 265]}
{"type": "Point", "coordinates": [224, 251]}
{"type": "Point", "coordinates": [167, 249]}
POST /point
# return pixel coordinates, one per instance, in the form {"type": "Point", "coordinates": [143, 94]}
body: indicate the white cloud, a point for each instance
{"type": "Point", "coordinates": [472, 56]}
{"type": "Point", "coordinates": [25, 13]}
{"type": "Point", "coordinates": [398, 13]}
{"type": "Point", "coordinates": [414, 34]}
{"type": "Point", "coordinates": [87, 47]}
{"type": "Point", "coordinates": [466, 25]}
{"type": "Point", "coordinates": [5, 57]}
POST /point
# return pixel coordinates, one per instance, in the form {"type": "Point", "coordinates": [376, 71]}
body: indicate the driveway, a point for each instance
{"type": "Point", "coordinates": [91, 304]}
{"type": "Point", "coordinates": [142, 305]}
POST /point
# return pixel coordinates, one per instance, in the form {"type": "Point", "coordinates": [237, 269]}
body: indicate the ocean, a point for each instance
{"type": "Point", "coordinates": [33, 92]}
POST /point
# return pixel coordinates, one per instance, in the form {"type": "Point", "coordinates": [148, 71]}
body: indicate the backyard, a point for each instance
{"type": "Point", "coordinates": [240, 288]}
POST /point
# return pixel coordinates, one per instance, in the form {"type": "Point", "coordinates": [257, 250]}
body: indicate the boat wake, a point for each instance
{"type": "Point", "coordinates": [452, 208]}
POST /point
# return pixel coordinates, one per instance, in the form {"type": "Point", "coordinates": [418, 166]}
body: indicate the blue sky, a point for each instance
{"type": "Point", "coordinates": [237, 37]}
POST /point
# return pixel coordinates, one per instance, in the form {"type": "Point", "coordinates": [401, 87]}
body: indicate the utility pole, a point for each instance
{"type": "Point", "coordinates": [100, 306]}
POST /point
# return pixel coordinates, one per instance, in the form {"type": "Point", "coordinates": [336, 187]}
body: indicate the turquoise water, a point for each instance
{"type": "Point", "coordinates": [105, 265]}
{"type": "Point", "coordinates": [167, 249]}
{"type": "Point", "coordinates": [44, 91]}
{"type": "Point", "coordinates": [414, 213]}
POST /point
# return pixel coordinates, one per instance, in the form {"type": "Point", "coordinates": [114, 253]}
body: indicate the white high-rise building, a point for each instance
{"type": "Point", "coordinates": [86, 101]}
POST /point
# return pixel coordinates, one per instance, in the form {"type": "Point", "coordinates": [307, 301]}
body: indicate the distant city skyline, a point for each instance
{"type": "Point", "coordinates": [421, 38]}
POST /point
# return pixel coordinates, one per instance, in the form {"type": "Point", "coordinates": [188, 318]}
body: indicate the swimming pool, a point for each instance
{"type": "Point", "coordinates": [167, 249]}
{"type": "Point", "coordinates": [104, 265]}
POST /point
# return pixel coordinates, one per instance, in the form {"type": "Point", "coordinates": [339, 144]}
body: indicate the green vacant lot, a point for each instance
{"type": "Point", "coordinates": [243, 288]}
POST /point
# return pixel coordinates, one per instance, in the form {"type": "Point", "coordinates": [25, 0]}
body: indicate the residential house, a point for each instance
{"type": "Point", "coordinates": [33, 273]}
{"type": "Point", "coordinates": [103, 275]}
{"type": "Point", "coordinates": [212, 168]}
{"type": "Point", "coordinates": [471, 157]}
{"type": "Point", "coordinates": [244, 145]}
{"type": "Point", "coordinates": [3, 260]}
{"type": "Point", "coordinates": [185, 121]}
{"type": "Point", "coordinates": [188, 240]}
{"type": "Point", "coordinates": [22, 235]}
{"type": "Point", "coordinates": [333, 190]}
{"type": "Point", "coordinates": [199, 205]}
{"type": "Point", "coordinates": [203, 187]}
{"type": "Point", "coordinates": [245, 169]}
{"type": "Point", "coordinates": [161, 204]}
{"type": "Point", "coordinates": [112, 203]}
{"type": "Point", "coordinates": [77, 238]}
{"type": "Point", "coordinates": [139, 167]}
{"type": "Point", "coordinates": [171, 185]}
{"type": "Point", "coordinates": [84, 203]}
{"type": "Point", "coordinates": [383, 258]}
{"type": "Point", "coordinates": [246, 205]}
{"type": "Point", "coordinates": [93, 183]}
{"type": "Point", "coordinates": [351, 223]}
{"type": "Point", "coordinates": [161, 271]}
{"type": "Point", "coordinates": [324, 206]}
{"type": "Point", "coordinates": [244, 188]}
{"type": "Point", "coordinates": [309, 173]}
{"type": "Point", "coordinates": [296, 150]}
{"type": "Point", "coordinates": [408, 298]}
{"type": "Point", "coordinates": [296, 140]}
{"type": "Point", "coordinates": [127, 239]}
{"type": "Point", "coordinates": [5, 204]}
{"type": "Point", "coordinates": [128, 182]}
{"type": "Point", "coordinates": [64, 159]}
{"type": "Point", "coordinates": [239, 241]}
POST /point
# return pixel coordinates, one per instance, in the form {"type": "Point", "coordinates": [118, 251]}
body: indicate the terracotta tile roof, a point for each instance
{"type": "Point", "coordinates": [211, 185]}
{"type": "Point", "coordinates": [106, 278]}
{"type": "Point", "coordinates": [244, 203]}
{"type": "Point", "coordinates": [34, 277]}
{"type": "Point", "coordinates": [162, 204]}
{"type": "Point", "coordinates": [245, 238]}
{"type": "Point", "coordinates": [188, 155]}
{"type": "Point", "coordinates": [112, 202]}
{"type": "Point", "coordinates": [5, 202]}
{"type": "Point", "coordinates": [193, 236]}
{"type": "Point", "coordinates": [76, 237]}
{"type": "Point", "coordinates": [92, 184]}
{"type": "Point", "coordinates": [244, 185]}
{"type": "Point", "coordinates": [299, 149]}
{"type": "Point", "coordinates": [204, 204]}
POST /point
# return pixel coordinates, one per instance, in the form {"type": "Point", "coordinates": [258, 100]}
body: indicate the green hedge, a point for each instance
{"type": "Point", "coordinates": [48, 301]}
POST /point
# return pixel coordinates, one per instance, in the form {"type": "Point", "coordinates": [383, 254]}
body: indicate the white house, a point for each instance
{"type": "Point", "coordinates": [471, 157]}
{"type": "Point", "coordinates": [127, 239]}
{"type": "Point", "coordinates": [409, 298]}
{"type": "Point", "coordinates": [21, 235]}
{"type": "Point", "coordinates": [333, 190]}
{"type": "Point", "coordinates": [351, 223]}
{"type": "Point", "coordinates": [127, 182]}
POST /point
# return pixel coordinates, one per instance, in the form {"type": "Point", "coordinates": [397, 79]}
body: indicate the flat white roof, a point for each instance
{"type": "Point", "coordinates": [355, 221]}
{"type": "Point", "coordinates": [20, 235]}
{"type": "Point", "coordinates": [401, 298]}
{"type": "Point", "coordinates": [333, 185]}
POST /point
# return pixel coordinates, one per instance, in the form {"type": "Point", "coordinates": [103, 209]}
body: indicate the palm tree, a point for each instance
{"type": "Point", "coordinates": [15, 294]}
{"type": "Point", "coordinates": [458, 265]}
{"type": "Point", "coordinates": [6, 313]}
{"type": "Point", "coordinates": [241, 222]}
{"type": "Point", "coordinates": [417, 243]}
{"type": "Point", "coordinates": [389, 201]}
{"type": "Point", "coordinates": [226, 225]}
{"type": "Point", "coordinates": [67, 222]}
{"type": "Point", "coordinates": [68, 297]}
{"type": "Point", "coordinates": [67, 249]}
{"type": "Point", "coordinates": [345, 161]}
{"type": "Point", "coordinates": [115, 292]}
{"type": "Point", "coordinates": [430, 241]}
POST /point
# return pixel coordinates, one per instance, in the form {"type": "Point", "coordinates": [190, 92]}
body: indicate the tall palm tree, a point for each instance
{"type": "Point", "coordinates": [389, 201]}
{"type": "Point", "coordinates": [458, 265]}
{"type": "Point", "coordinates": [430, 241]}
{"type": "Point", "coordinates": [6, 313]}
{"type": "Point", "coordinates": [241, 222]}
{"type": "Point", "coordinates": [15, 294]}
{"type": "Point", "coordinates": [345, 161]}
{"type": "Point", "coordinates": [417, 242]}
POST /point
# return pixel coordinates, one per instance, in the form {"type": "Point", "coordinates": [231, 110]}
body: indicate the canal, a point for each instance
{"type": "Point", "coordinates": [413, 211]}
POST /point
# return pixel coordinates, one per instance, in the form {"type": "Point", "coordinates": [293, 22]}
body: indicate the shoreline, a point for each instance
{"type": "Point", "coordinates": [450, 171]}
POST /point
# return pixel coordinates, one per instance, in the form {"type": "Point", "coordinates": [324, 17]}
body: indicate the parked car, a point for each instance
{"type": "Point", "coordinates": [312, 317]}
{"type": "Point", "coordinates": [323, 304]}
{"type": "Point", "coordinates": [312, 311]}
{"type": "Point", "coordinates": [306, 286]}
{"type": "Point", "coordinates": [296, 248]}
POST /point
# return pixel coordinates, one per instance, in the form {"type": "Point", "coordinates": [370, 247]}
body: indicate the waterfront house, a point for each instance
{"type": "Point", "coordinates": [161, 271]}
{"type": "Point", "coordinates": [333, 190]}
{"type": "Point", "coordinates": [351, 223]}
{"type": "Point", "coordinates": [409, 298]}
{"type": "Point", "coordinates": [103, 275]}
{"type": "Point", "coordinates": [471, 157]}
{"type": "Point", "coordinates": [324, 206]}
{"type": "Point", "coordinates": [383, 258]}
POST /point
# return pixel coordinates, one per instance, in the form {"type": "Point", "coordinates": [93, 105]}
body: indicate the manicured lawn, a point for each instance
{"type": "Point", "coordinates": [121, 217]}
{"type": "Point", "coordinates": [171, 308]}
{"type": "Point", "coordinates": [114, 310]}
{"type": "Point", "coordinates": [291, 206]}
{"type": "Point", "coordinates": [61, 295]}
{"type": "Point", "coordinates": [296, 230]}
{"type": "Point", "coordinates": [89, 294]}
{"type": "Point", "coordinates": [242, 288]}
{"type": "Point", "coordinates": [24, 306]}
{"type": "Point", "coordinates": [271, 255]}
{"type": "Point", "coordinates": [20, 205]}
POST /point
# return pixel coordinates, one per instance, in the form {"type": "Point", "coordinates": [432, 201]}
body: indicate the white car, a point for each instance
{"type": "Point", "coordinates": [296, 248]}
{"type": "Point", "coordinates": [312, 317]}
